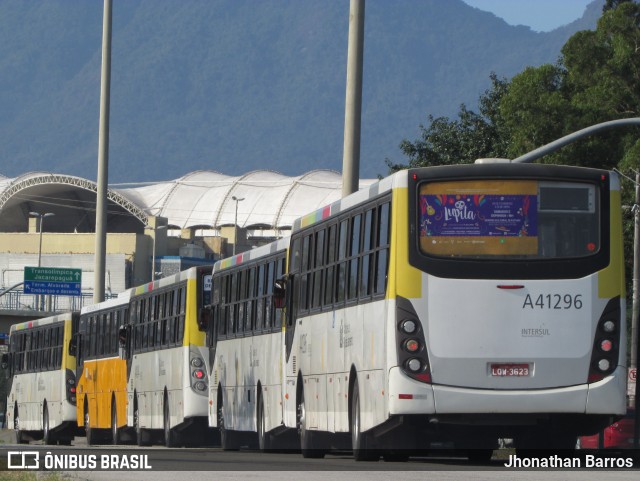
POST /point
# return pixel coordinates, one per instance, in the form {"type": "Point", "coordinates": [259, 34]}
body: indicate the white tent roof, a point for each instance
{"type": "Point", "coordinates": [269, 199]}
{"type": "Point", "coordinates": [203, 199]}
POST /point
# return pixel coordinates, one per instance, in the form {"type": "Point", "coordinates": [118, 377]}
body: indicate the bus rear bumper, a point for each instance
{"type": "Point", "coordinates": [407, 396]}
{"type": "Point", "coordinates": [604, 397]}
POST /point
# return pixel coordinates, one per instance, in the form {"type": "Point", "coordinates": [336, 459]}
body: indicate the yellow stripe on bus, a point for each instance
{"type": "Point", "coordinates": [404, 280]}
{"type": "Point", "coordinates": [611, 279]}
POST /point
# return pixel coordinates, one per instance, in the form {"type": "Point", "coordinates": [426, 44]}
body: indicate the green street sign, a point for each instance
{"type": "Point", "coordinates": [52, 280]}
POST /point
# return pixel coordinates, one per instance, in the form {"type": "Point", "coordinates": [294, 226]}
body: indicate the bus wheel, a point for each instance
{"type": "Point", "coordinates": [358, 440]}
{"type": "Point", "coordinates": [20, 437]}
{"type": "Point", "coordinates": [142, 436]}
{"type": "Point", "coordinates": [170, 435]}
{"type": "Point", "coordinates": [264, 438]}
{"type": "Point", "coordinates": [87, 425]}
{"type": "Point", "coordinates": [115, 432]}
{"type": "Point", "coordinates": [227, 438]}
{"type": "Point", "coordinates": [47, 436]}
{"type": "Point", "coordinates": [307, 437]}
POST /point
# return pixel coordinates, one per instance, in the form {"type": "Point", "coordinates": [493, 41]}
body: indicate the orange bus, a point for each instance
{"type": "Point", "coordinates": [101, 373]}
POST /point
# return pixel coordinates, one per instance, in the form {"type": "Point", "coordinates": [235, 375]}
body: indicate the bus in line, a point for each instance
{"type": "Point", "coordinates": [101, 373]}
{"type": "Point", "coordinates": [167, 360]}
{"type": "Point", "coordinates": [442, 306]}
{"type": "Point", "coordinates": [41, 366]}
{"type": "Point", "coordinates": [245, 339]}
{"type": "Point", "coordinates": [460, 305]}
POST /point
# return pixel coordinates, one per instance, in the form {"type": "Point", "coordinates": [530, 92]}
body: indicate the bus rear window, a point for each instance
{"type": "Point", "coordinates": [509, 219]}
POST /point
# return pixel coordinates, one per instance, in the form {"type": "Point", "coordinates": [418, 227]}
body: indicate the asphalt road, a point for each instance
{"type": "Point", "coordinates": [190, 464]}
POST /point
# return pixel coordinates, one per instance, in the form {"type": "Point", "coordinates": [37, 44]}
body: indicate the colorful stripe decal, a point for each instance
{"type": "Point", "coordinates": [316, 216]}
{"type": "Point", "coordinates": [231, 261]}
{"type": "Point", "coordinates": [25, 325]}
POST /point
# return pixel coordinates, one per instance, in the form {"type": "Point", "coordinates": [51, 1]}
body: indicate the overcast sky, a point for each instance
{"type": "Point", "coordinates": [540, 15]}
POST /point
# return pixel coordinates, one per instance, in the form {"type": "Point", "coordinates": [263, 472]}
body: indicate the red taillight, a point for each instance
{"type": "Point", "coordinates": [72, 390]}
{"type": "Point", "coordinates": [198, 374]}
{"type": "Point", "coordinates": [405, 396]}
{"type": "Point", "coordinates": [595, 377]}
{"type": "Point", "coordinates": [424, 377]}
{"type": "Point", "coordinates": [606, 345]}
{"type": "Point", "coordinates": [412, 345]}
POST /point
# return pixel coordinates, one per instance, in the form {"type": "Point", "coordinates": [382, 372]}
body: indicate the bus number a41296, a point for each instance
{"type": "Point", "coordinates": [553, 301]}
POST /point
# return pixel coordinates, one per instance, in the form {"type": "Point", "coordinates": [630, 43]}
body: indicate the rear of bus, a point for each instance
{"type": "Point", "coordinates": [509, 304]}
{"type": "Point", "coordinates": [41, 367]}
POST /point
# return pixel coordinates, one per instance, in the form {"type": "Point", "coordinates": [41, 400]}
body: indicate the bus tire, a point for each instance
{"type": "Point", "coordinates": [20, 437]}
{"type": "Point", "coordinates": [115, 432]}
{"type": "Point", "coordinates": [143, 437]}
{"type": "Point", "coordinates": [90, 435]}
{"type": "Point", "coordinates": [264, 438]}
{"type": "Point", "coordinates": [170, 435]}
{"type": "Point", "coordinates": [47, 435]}
{"type": "Point", "coordinates": [361, 450]}
{"type": "Point", "coordinates": [228, 440]}
{"type": "Point", "coordinates": [308, 444]}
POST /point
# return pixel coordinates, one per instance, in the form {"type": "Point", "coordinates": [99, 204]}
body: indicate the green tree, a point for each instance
{"type": "Point", "coordinates": [470, 136]}
{"type": "Point", "coordinates": [596, 79]}
{"type": "Point", "coordinates": [611, 4]}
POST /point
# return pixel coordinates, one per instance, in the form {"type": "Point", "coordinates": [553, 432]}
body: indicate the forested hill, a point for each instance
{"type": "Point", "coordinates": [239, 85]}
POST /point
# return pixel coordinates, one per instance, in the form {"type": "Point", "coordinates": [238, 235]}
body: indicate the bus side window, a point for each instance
{"type": "Point", "coordinates": [382, 256]}
{"type": "Point", "coordinates": [260, 299]}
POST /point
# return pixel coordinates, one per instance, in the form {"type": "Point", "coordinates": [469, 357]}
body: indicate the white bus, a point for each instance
{"type": "Point", "coordinates": [453, 306]}
{"type": "Point", "coordinates": [245, 339]}
{"type": "Point", "coordinates": [42, 385]}
{"type": "Point", "coordinates": [167, 373]}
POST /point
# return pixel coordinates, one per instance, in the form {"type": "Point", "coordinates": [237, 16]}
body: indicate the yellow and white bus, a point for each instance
{"type": "Point", "coordinates": [101, 373]}
{"type": "Point", "coordinates": [42, 385]}
{"type": "Point", "coordinates": [245, 339]}
{"type": "Point", "coordinates": [455, 306]}
{"type": "Point", "coordinates": [167, 360]}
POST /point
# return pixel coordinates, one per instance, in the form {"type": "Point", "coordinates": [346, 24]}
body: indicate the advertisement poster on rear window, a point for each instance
{"type": "Point", "coordinates": [479, 218]}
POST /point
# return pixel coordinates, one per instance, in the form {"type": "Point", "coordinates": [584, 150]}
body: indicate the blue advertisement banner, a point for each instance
{"type": "Point", "coordinates": [509, 215]}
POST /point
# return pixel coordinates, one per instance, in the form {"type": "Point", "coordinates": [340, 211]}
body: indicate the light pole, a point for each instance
{"type": "Point", "coordinates": [153, 251]}
{"type": "Point", "coordinates": [41, 217]}
{"type": "Point", "coordinates": [235, 224]}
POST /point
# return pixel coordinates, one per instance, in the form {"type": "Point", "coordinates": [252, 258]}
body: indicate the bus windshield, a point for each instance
{"type": "Point", "coordinates": [509, 219]}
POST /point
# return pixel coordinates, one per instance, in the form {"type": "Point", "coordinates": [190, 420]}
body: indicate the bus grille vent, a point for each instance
{"type": "Point", "coordinates": [294, 364]}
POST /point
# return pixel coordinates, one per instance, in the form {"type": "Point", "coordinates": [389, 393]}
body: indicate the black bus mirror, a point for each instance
{"type": "Point", "coordinates": [204, 314]}
{"type": "Point", "coordinates": [280, 293]}
{"type": "Point", "coordinates": [123, 333]}
{"type": "Point", "coordinates": [73, 345]}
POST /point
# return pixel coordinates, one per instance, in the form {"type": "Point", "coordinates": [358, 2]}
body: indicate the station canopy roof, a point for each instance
{"type": "Point", "coordinates": [201, 199]}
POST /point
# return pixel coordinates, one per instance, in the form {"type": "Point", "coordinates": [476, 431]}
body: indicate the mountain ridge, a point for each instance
{"type": "Point", "coordinates": [235, 86]}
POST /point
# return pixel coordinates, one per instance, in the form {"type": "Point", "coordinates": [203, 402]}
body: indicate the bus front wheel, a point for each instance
{"type": "Point", "coordinates": [115, 432]}
{"type": "Point", "coordinates": [308, 446]}
{"type": "Point", "coordinates": [87, 425]}
{"type": "Point", "coordinates": [20, 437]}
{"type": "Point", "coordinates": [228, 440]}
{"type": "Point", "coordinates": [264, 438]}
{"type": "Point", "coordinates": [142, 435]}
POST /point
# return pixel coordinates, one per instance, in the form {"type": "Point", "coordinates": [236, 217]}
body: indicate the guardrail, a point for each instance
{"type": "Point", "coordinates": [18, 300]}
